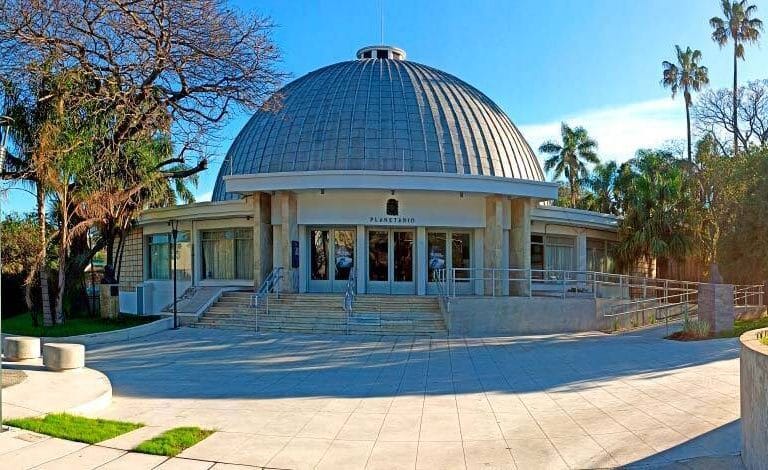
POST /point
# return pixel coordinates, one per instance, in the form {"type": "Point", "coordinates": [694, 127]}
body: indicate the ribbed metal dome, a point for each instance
{"type": "Point", "coordinates": [381, 114]}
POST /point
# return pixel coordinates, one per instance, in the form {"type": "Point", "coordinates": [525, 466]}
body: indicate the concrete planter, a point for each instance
{"type": "Point", "coordinates": [165, 323]}
{"type": "Point", "coordinates": [754, 400]}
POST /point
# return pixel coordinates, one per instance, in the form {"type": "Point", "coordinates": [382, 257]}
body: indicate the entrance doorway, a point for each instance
{"type": "Point", "coordinates": [447, 249]}
{"type": "Point", "coordinates": [331, 258]}
{"type": "Point", "coordinates": [391, 268]}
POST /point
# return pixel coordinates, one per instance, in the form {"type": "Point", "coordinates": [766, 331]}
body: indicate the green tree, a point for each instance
{"type": "Point", "coordinates": [685, 75]}
{"type": "Point", "coordinates": [570, 157]}
{"type": "Point", "coordinates": [661, 216]}
{"type": "Point", "coordinates": [602, 184]}
{"type": "Point", "coordinates": [739, 26]}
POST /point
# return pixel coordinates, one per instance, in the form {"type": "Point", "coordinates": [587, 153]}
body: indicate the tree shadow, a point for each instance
{"type": "Point", "coordinates": [197, 363]}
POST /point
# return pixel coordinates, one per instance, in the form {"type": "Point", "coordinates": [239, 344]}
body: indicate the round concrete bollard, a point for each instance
{"type": "Point", "coordinates": [63, 356]}
{"type": "Point", "coordinates": [19, 348]}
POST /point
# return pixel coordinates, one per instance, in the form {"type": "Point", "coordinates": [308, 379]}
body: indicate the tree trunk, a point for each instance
{"type": "Point", "coordinates": [63, 251]}
{"type": "Point", "coordinates": [688, 128]}
{"type": "Point", "coordinates": [45, 299]}
{"type": "Point", "coordinates": [735, 90]}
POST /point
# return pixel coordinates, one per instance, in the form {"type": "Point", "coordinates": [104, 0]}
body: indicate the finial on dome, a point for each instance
{"type": "Point", "coordinates": [381, 52]}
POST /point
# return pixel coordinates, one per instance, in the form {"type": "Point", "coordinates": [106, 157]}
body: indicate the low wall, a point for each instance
{"type": "Point", "coordinates": [754, 400]}
{"type": "Point", "coordinates": [165, 323]}
{"type": "Point", "coordinates": [523, 315]}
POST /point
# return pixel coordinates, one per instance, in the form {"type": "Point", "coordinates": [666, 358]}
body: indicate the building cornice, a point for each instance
{"type": "Point", "coordinates": [389, 180]}
{"type": "Point", "coordinates": [575, 217]}
{"type": "Point", "coordinates": [197, 211]}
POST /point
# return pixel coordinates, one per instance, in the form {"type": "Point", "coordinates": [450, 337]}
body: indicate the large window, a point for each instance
{"type": "Point", "coordinates": [599, 255]}
{"type": "Point", "coordinates": [555, 252]}
{"type": "Point", "coordinates": [160, 259]}
{"type": "Point", "coordinates": [227, 254]}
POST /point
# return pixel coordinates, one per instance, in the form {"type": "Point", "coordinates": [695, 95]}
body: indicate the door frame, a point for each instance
{"type": "Point", "coordinates": [463, 288]}
{"type": "Point", "coordinates": [331, 284]}
{"type": "Point", "coordinates": [390, 286]}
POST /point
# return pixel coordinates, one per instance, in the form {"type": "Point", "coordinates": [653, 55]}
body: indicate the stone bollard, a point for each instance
{"type": "Point", "coordinates": [20, 348]}
{"type": "Point", "coordinates": [716, 307]}
{"type": "Point", "coordinates": [63, 356]}
{"type": "Point", "coordinates": [109, 300]}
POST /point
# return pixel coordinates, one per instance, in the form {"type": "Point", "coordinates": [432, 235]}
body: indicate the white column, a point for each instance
{"type": "Point", "coordinates": [361, 266]}
{"type": "Point", "coordinates": [303, 259]}
{"type": "Point", "coordinates": [581, 252]}
{"type": "Point", "coordinates": [421, 261]}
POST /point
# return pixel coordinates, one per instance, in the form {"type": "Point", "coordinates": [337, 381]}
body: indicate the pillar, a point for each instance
{"type": "Point", "coordinates": [520, 244]}
{"type": "Point", "coordinates": [262, 236]}
{"type": "Point", "coordinates": [493, 250]}
{"type": "Point", "coordinates": [422, 273]}
{"type": "Point", "coordinates": [289, 232]}
{"type": "Point", "coordinates": [361, 262]}
{"type": "Point", "coordinates": [716, 307]}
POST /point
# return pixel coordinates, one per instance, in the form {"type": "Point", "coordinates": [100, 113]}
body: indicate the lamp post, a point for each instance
{"type": "Point", "coordinates": [3, 142]}
{"type": "Point", "coordinates": [174, 234]}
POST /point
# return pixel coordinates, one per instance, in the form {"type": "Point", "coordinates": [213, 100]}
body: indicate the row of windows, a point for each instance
{"type": "Point", "coordinates": [557, 252]}
{"type": "Point", "coordinates": [226, 255]}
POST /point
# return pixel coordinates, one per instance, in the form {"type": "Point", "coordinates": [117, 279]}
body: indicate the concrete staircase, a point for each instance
{"type": "Point", "coordinates": [323, 313]}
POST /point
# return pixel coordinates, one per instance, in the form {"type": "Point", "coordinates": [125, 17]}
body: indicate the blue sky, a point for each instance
{"type": "Point", "coordinates": [595, 63]}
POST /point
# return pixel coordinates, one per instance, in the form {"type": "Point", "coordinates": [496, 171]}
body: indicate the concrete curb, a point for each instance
{"type": "Point", "coordinates": [92, 339]}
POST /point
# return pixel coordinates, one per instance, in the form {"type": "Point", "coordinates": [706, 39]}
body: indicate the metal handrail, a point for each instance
{"type": "Point", "coordinates": [349, 294]}
{"type": "Point", "coordinates": [748, 295]}
{"type": "Point", "coordinates": [271, 284]}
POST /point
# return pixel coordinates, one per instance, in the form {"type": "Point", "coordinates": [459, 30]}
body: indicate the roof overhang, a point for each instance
{"type": "Point", "coordinates": [389, 180]}
{"type": "Point", "coordinates": [575, 217]}
{"type": "Point", "coordinates": [198, 211]}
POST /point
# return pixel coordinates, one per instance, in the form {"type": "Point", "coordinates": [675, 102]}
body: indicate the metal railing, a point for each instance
{"type": "Point", "coordinates": [349, 294]}
{"type": "Point", "coordinates": [748, 295]}
{"type": "Point", "coordinates": [270, 285]}
{"type": "Point", "coordinates": [552, 283]}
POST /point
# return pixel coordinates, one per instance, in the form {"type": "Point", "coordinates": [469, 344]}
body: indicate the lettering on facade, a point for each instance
{"type": "Point", "coordinates": [391, 220]}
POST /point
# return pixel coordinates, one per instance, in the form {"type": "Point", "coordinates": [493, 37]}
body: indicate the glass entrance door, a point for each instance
{"type": "Point", "coordinates": [331, 258]}
{"type": "Point", "coordinates": [449, 249]}
{"type": "Point", "coordinates": [390, 261]}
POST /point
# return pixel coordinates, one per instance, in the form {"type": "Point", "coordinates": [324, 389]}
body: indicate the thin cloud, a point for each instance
{"type": "Point", "coordinates": [620, 131]}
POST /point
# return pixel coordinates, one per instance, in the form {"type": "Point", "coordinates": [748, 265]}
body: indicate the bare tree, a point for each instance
{"type": "Point", "coordinates": [713, 115]}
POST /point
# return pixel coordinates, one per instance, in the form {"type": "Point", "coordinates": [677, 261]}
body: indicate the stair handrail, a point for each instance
{"type": "Point", "coordinates": [270, 284]}
{"type": "Point", "coordinates": [349, 295]}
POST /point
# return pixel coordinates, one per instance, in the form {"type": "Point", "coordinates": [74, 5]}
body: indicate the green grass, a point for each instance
{"type": "Point", "coordinates": [74, 428]}
{"type": "Point", "coordinates": [22, 325]}
{"type": "Point", "coordinates": [174, 441]}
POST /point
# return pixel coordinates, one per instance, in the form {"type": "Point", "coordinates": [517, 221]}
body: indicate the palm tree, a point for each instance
{"type": "Point", "coordinates": [601, 182]}
{"type": "Point", "coordinates": [738, 25]}
{"type": "Point", "coordinates": [687, 75]}
{"type": "Point", "coordinates": [569, 158]}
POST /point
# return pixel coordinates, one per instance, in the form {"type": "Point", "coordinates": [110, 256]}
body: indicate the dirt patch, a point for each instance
{"type": "Point", "coordinates": [686, 336]}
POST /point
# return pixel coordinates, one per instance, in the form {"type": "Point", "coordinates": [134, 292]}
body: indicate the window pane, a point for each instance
{"type": "Point", "coordinates": [403, 256]}
{"type": "Point", "coordinates": [378, 251]}
{"type": "Point", "coordinates": [460, 255]}
{"type": "Point", "coordinates": [227, 254]}
{"type": "Point", "coordinates": [159, 260]}
{"type": "Point", "coordinates": [319, 255]}
{"type": "Point", "coordinates": [436, 249]}
{"type": "Point", "coordinates": [344, 253]}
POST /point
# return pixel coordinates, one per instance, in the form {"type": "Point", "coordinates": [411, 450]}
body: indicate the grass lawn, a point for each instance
{"type": "Point", "coordinates": [173, 441]}
{"type": "Point", "coordinates": [74, 428]}
{"type": "Point", "coordinates": [22, 325]}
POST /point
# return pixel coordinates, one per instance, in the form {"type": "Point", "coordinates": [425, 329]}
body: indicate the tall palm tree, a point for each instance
{"type": "Point", "coordinates": [601, 182]}
{"type": "Point", "coordinates": [687, 75]}
{"type": "Point", "coordinates": [569, 158]}
{"type": "Point", "coordinates": [739, 26]}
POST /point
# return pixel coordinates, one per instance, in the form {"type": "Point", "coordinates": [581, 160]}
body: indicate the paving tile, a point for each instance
{"type": "Point", "coordinates": [393, 456]}
{"type": "Point", "coordinates": [488, 455]}
{"type": "Point", "coordinates": [440, 427]}
{"type": "Point", "coordinates": [582, 452]}
{"type": "Point", "coordinates": [400, 427]}
{"type": "Point", "coordinates": [535, 453]}
{"type": "Point", "coordinates": [39, 453]}
{"type": "Point", "coordinates": [134, 461]}
{"type": "Point", "coordinates": [479, 427]}
{"type": "Point", "coordinates": [85, 458]}
{"type": "Point", "coordinates": [184, 464]}
{"type": "Point", "coordinates": [131, 439]}
{"type": "Point", "coordinates": [361, 427]}
{"type": "Point", "coordinates": [442, 455]}
{"type": "Point", "coordinates": [300, 453]}
{"type": "Point", "coordinates": [324, 425]}
{"type": "Point", "coordinates": [346, 454]}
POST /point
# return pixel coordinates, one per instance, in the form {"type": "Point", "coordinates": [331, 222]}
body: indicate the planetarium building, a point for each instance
{"type": "Point", "coordinates": [380, 169]}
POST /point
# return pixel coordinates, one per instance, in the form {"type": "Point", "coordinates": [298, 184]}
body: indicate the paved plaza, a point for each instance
{"type": "Point", "coordinates": [305, 401]}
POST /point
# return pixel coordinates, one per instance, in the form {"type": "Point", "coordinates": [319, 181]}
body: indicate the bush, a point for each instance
{"type": "Point", "coordinates": [695, 328]}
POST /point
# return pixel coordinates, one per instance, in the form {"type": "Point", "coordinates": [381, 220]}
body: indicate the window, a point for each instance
{"type": "Point", "coordinates": [227, 254]}
{"type": "Point", "coordinates": [599, 255]}
{"type": "Point", "coordinates": [392, 207]}
{"type": "Point", "coordinates": [382, 54]}
{"type": "Point", "coordinates": [160, 259]}
{"type": "Point", "coordinates": [555, 252]}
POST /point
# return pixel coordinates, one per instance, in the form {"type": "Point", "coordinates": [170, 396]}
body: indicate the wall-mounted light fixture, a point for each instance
{"type": "Point", "coordinates": [392, 192]}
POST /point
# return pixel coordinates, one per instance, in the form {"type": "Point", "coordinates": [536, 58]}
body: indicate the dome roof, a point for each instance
{"type": "Point", "coordinates": [382, 114]}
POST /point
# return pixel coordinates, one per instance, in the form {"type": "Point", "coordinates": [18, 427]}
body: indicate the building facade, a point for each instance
{"type": "Point", "coordinates": [378, 168]}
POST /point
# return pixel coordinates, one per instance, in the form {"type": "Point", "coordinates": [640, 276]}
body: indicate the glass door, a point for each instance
{"type": "Point", "coordinates": [390, 262]}
{"type": "Point", "coordinates": [331, 258]}
{"type": "Point", "coordinates": [447, 249]}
